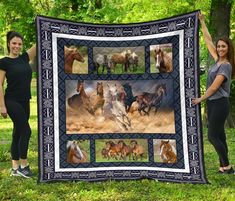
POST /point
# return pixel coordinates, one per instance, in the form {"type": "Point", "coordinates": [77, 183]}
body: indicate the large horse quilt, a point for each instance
{"type": "Point", "coordinates": [114, 101]}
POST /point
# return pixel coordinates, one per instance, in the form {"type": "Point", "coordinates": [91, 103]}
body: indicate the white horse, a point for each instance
{"type": "Point", "coordinates": [115, 109]}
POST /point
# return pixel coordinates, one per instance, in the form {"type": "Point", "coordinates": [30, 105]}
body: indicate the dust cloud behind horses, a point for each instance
{"type": "Point", "coordinates": [81, 121]}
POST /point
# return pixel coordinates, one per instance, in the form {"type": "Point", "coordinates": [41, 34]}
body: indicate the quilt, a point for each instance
{"type": "Point", "coordinates": [115, 100]}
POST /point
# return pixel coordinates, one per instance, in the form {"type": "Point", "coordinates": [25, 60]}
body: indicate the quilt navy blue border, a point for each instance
{"type": "Point", "coordinates": [182, 32]}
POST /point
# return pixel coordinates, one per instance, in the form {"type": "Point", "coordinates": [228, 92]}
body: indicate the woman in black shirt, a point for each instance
{"type": "Point", "coordinates": [15, 103]}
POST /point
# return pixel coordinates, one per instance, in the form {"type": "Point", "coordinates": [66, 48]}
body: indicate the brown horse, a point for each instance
{"type": "Point", "coordinates": [137, 150]}
{"type": "Point", "coordinates": [120, 58]}
{"type": "Point", "coordinates": [81, 99]}
{"type": "Point", "coordinates": [163, 60]}
{"type": "Point", "coordinates": [167, 152]}
{"type": "Point", "coordinates": [75, 154]}
{"type": "Point", "coordinates": [114, 150]}
{"type": "Point", "coordinates": [126, 150]}
{"type": "Point", "coordinates": [149, 100]}
{"type": "Point", "coordinates": [104, 153]}
{"type": "Point", "coordinates": [84, 97]}
{"type": "Point", "coordinates": [99, 103]}
{"type": "Point", "coordinates": [71, 54]}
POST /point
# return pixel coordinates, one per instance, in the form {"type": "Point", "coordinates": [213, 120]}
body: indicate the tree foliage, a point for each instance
{"type": "Point", "coordinates": [20, 15]}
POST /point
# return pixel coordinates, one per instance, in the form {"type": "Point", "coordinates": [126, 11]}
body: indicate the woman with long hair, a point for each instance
{"type": "Point", "coordinates": [15, 102]}
{"type": "Point", "coordinates": [217, 94]}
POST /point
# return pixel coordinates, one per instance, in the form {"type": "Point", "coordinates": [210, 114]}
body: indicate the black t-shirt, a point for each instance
{"type": "Point", "coordinates": [18, 76]}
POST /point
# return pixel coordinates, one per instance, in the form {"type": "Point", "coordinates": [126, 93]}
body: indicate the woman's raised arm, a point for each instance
{"type": "Point", "coordinates": [207, 37]}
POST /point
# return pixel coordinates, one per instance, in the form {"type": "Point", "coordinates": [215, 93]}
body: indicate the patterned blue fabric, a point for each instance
{"type": "Point", "coordinates": [163, 116]}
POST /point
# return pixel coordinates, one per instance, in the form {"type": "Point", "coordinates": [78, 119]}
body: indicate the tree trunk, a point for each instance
{"type": "Point", "coordinates": [231, 117]}
{"type": "Point", "coordinates": [220, 18]}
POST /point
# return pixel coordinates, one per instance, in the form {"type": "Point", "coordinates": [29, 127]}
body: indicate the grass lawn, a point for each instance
{"type": "Point", "coordinates": [221, 187]}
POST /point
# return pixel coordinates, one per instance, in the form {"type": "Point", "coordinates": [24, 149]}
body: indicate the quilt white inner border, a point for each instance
{"type": "Point", "coordinates": [180, 33]}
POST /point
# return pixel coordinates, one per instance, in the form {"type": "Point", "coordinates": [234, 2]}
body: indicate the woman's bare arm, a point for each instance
{"type": "Point", "coordinates": [211, 90]}
{"type": "Point", "coordinates": [207, 37]}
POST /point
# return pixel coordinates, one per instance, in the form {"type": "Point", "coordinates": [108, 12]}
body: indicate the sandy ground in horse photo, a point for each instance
{"type": "Point", "coordinates": [81, 122]}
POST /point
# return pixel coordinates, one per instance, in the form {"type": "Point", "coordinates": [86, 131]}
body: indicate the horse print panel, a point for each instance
{"type": "Point", "coordinates": [161, 58]}
{"type": "Point", "coordinates": [77, 151]}
{"type": "Point", "coordinates": [140, 106]}
{"type": "Point", "coordinates": [122, 150]}
{"type": "Point", "coordinates": [165, 151]}
{"type": "Point", "coordinates": [114, 101]}
{"type": "Point", "coordinates": [75, 59]}
{"type": "Point", "coordinates": [119, 60]}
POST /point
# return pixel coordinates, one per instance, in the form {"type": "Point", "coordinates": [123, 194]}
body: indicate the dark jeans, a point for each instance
{"type": "Point", "coordinates": [19, 112]}
{"type": "Point", "coordinates": [217, 111]}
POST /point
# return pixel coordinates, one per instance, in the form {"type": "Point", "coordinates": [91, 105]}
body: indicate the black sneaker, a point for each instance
{"type": "Point", "coordinates": [18, 172]}
{"type": "Point", "coordinates": [26, 171]}
{"type": "Point", "coordinates": [15, 173]}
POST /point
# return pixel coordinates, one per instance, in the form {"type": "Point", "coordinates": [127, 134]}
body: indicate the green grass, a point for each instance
{"type": "Point", "coordinates": [221, 187]}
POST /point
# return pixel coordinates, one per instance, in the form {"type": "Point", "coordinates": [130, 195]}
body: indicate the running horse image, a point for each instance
{"type": "Point", "coordinates": [115, 109]}
{"type": "Point", "coordinates": [129, 98]}
{"type": "Point", "coordinates": [81, 99]}
{"type": "Point", "coordinates": [147, 100]}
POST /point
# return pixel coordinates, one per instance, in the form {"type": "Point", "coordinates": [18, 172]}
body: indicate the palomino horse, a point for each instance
{"type": "Point", "coordinates": [148, 100]}
{"type": "Point", "coordinates": [116, 109]}
{"type": "Point", "coordinates": [71, 54]}
{"type": "Point", "coordinates": [75, 154]}
{"type": "Point", "coordinates": [167, 152]}
{"type": "Point", "coordinates": [163, 60]}
{"type": "Point", "coordinates": [99, 103]}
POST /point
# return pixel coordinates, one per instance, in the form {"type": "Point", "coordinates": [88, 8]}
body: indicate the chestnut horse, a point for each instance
{"type": "Point", "coordinates": [75, 154]}
{"type": "Point", "coordinates": [84, 97]}
{"type": "Point", "coordinates": [120, 58]}
{"type": "Point", "coordinates": [71, 54]}
{"type": "Point", "coordinates": [167, 152]}
{"type": "Point", "coordinates": [163, 60]}
{"type": "Point", "coordinates": [114, 150]}
{"type": "Point", "coordinates": [137, 150]}
{"type": "Point", "coordinates": [126, 150]}
{"type": "Point", "coordinates": [99, 103]}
